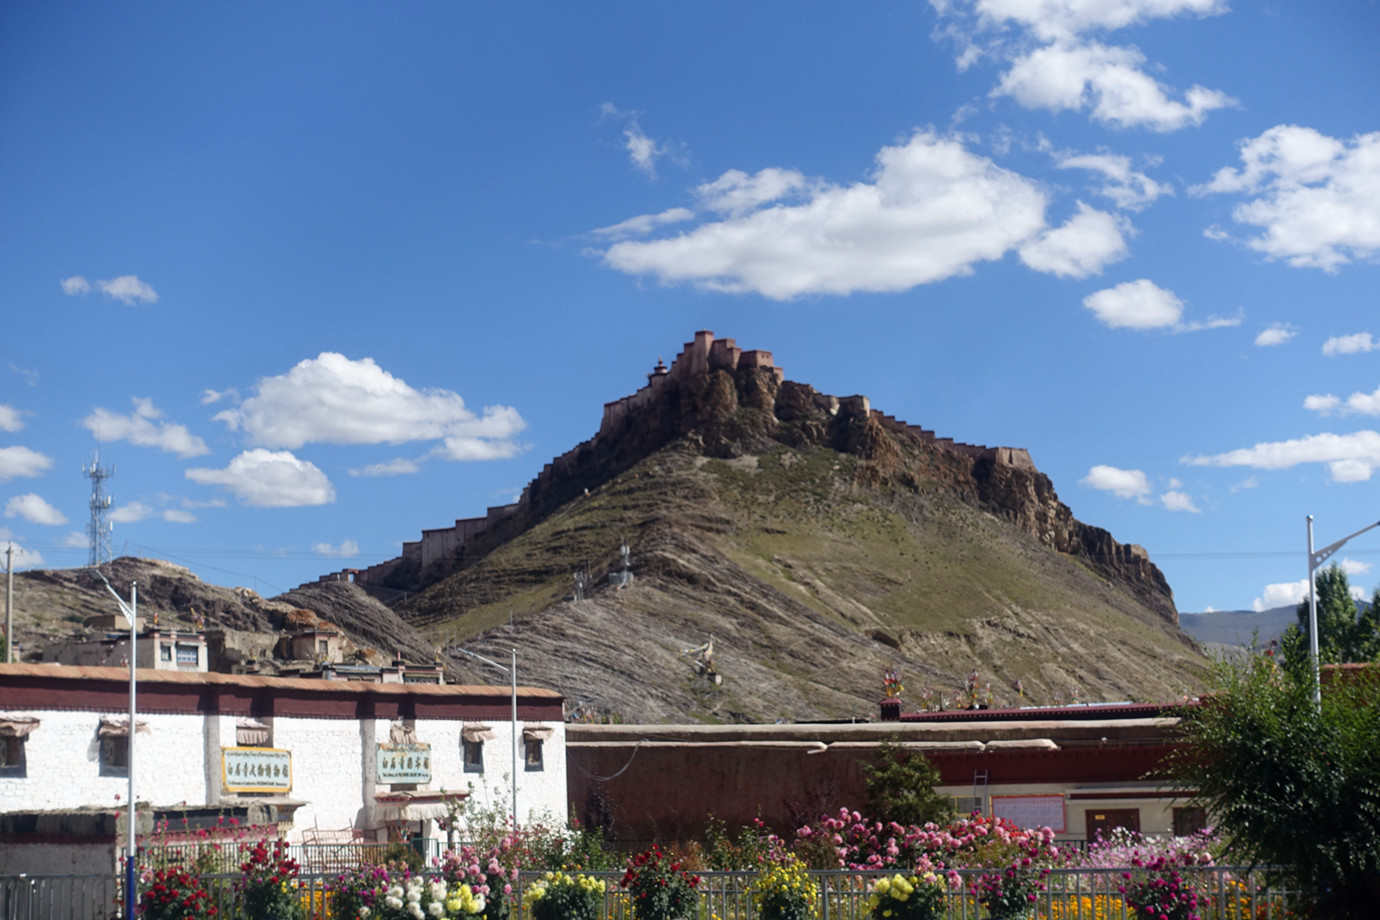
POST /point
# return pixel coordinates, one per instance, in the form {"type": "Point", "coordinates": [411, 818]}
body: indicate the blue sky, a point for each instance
{"type": "Point", "coordinates": [315, 276]}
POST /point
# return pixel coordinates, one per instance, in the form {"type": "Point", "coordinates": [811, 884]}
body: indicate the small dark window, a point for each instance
{"type": "Point", "coordinates": [115, 755]}
{"type": "Point", "coordinates": [1189, 821]}
{"type": "Point", "coordinates": [165, 651]}
{"type": "Point", "coordinates": [532, 749]}
{"type": "Point", "coordinates": [11, 756]}
{"type": "Point", "coordinates": [474, 756]}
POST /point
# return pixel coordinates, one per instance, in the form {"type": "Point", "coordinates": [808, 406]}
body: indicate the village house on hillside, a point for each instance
{"type": "Point", "coordinates": [371, 761]}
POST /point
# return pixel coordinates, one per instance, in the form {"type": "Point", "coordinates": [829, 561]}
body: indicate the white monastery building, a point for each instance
{"type": "Point", "coordinates": [372, 761]}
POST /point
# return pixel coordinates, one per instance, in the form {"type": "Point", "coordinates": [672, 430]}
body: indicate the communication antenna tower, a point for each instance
{"type": "Point", "coordinates": [99, 528]}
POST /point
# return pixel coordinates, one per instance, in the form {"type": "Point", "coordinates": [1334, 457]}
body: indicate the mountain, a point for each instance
{"type": "Point", "coordinates": [814, 541]}
{"type": "Point", "coordinates": [1238, 627]}
{"type": "Point", "coordinates": [785, 548]}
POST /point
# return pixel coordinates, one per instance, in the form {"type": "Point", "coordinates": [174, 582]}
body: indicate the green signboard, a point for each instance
{"type": "Point", "coordinates": [404, 763]}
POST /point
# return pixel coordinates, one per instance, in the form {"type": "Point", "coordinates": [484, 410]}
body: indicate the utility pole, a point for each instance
{"type": "Point", "coordinates": [131, 612]}
{"type": "Point", "coordinates": [1315, 560]}
{"type": "Point", "coordinates": [9, 604]}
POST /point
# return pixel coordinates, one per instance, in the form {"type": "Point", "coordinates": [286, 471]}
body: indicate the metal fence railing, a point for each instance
{"type": "Point", "coordinates": [1224, 893]}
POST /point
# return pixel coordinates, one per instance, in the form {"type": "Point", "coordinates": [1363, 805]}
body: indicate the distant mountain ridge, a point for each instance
{"type": "Point", "coordinates": [1237, 627]}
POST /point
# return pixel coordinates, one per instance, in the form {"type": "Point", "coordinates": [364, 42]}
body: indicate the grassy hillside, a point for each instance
{"type": "Point", "coordinates": [811, 584]}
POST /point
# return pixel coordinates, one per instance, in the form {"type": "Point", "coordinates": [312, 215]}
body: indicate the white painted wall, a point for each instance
{"type": "Point", "coordinates": [1156, 815]}
{"type": "Point", "coordinates": [333, 766]}
{"type": "Point", "coordinates": [62, 763]}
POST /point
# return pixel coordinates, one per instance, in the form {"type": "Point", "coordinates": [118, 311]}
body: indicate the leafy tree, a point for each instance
{"type": "Point", "coordinates": [1290, 785]}
{"type": "Point", "coordinates": [900, 787]}
{"type": "Point", "coordinates": [1346, 632]}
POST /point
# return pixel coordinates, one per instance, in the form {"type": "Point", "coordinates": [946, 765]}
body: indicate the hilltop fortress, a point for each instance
{"type": "Point", "coordinates": [760, 384]}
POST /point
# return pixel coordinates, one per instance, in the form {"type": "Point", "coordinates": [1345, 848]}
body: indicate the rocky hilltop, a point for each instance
{"type": "Point", "coordinates": [813, 540]}
{"type": "Point", "coordinates": [726, 403]}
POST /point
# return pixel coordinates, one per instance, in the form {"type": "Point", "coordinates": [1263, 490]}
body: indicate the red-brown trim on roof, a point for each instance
{"type": "Point", "coordinates": [1114, 763]}
{"type": "Point", "coordinates": [30, 686]}
{"type": "Point", "coordinates": [1047, 713]}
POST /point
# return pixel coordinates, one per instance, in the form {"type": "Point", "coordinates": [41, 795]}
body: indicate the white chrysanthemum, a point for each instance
{"type": "Point", "coordinates": [392, 902]}
{"type": "Point", "coordinates": [436, 909]}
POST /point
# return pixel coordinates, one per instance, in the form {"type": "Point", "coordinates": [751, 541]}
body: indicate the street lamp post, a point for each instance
{"type": "Point", "coordinates": [130, 611]}
{"type": "Point", "coordinates": [512, 673]}
{"type": "Point", "coordinates": [1316, 559]}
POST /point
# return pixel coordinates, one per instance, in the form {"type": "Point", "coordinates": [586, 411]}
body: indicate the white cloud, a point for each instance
{"type": "Point", "coordinates": [1178, 501]}
{"type": "Point", "coordinates": [640, 225]}
{"type": "Point", "coordinates": [1275, 334]}
{"type": "Point", "coordinates": [10, 418]}
{"type": "Point", "coordinates": [1357, 343]}
{"type": "Point", "coordinates": [131, 512]}
{"type": "Point", "coordinates": [1083, 246]}
{"type": "Point", "coordinates": [332, 399]}
{"type": "Point", "coordinates": [735, 192]}
{"type": "Point", "coordinates": [269, 479]}
{"type": "Point", "coordinates": [1127, 188]}
{"type": "Point", "coordinates": [1283, 594]}
{"type": "Point", "coordinates": [1108, 80]}
{"type": "Point", "coordinates": [399, 466]}
{"type": "Point", "coordinates": [178, 516]}
{"type": "Point", "coordinates": [32, 508]}
{"type": "Point", "coordinates": [1212, 322]}
{"type": "Point", "coordinates": [643, 151]}
{"type": "Point", "coordinates": [1355, 566]}
{"type": "Point", "coordinates": [1349, 457]}
{"type": "Point", "coordinates": [21, 461]}
{"type": "Point", "coordinates": [128, 289]}
{"type": "Point", "coordinates": [469, 447]}
{"type": "Point", "coordinates": [930, 211]}
{"type": "Point", "coordinates": [1051, 20]}
{"type": "Point", "coordinates": [144, 428]}
{"type": "Point", "coordinates": [1136, 305]}
{"type": "Point", "coordinates": [75, 539]}
{"type": "Point", "coordinates": [1356, 404]}
{"type": "Point", "coordinates": [1121, 483]}
{"type": "Point", "coordinates": [1318, 198]}
{"type": "Point", "coordinates": [214, 396]}
{"type": "Point", "coordinates": [1250, 482]}
{"type": "Point", "coordinates": [345, 550]}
